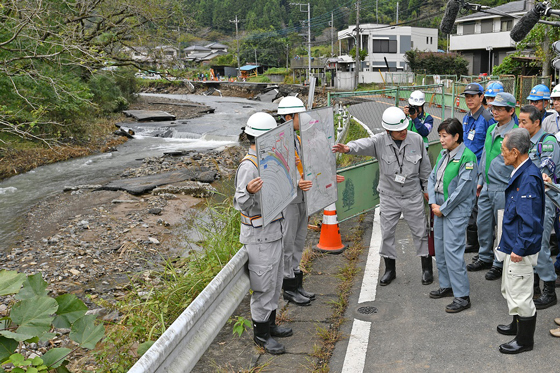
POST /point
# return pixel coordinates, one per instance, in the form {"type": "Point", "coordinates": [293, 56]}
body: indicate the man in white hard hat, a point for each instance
{"type": "Point", "coordinates": [551, 124]}
{"type": "Point", "coordinates": [404, 168]}
{"type": "Point", "coordinates": [290, 108]}
{"type": "Point", "coordinates": [421, 122]}
{"type": "Point", "coordinates": [263, 243]}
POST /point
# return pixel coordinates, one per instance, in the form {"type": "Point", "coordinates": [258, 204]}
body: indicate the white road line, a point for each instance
{"type": "Point", "coordinates": [371, 272]}
{"type": "Point", "coordinates": [355, 359]}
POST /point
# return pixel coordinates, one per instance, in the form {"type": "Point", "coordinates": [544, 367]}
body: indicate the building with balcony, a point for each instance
{"type": "Point", "coordinates": [386, 46]}
{"type": "Point", "coordinates": [483, 39]}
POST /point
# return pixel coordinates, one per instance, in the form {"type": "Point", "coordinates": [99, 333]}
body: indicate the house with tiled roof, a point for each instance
{"type": "Point", "coordinates": [484, 39]}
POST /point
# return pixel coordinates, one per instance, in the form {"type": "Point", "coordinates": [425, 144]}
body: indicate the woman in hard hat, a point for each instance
{"type": "Point", "coordinates": [404, 168]}
{"type": "Point", "coordinates": [452, 190]}
{"type": "Point", "coordinates": [263, 243]}
{"type": "Point", "coordinates": [421, 122]}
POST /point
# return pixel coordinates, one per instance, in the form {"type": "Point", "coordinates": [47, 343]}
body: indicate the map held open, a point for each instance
{"type": "Point", "coordinates": [277, 169]}
{"type": "Point", "coordinates": [319, 162]}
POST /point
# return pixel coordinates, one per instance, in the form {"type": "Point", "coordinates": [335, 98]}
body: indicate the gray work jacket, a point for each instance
{"type": "Point", "coordinates": [249, 205]}
{"type": "Point", "coordinates": [411, 160]}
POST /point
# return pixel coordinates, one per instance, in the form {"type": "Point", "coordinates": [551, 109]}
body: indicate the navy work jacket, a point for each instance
{"type": "Point", "coordinates": [522, 227]}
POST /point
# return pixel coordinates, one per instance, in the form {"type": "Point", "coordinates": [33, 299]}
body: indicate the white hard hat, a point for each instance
{"type": "Point", "coordinates": [290, 105]}
{"type": "Point", "coordinates": [259, 123]}
{"type": "Point", "coordinates": [394, 119]}
{"type": "Point", "coordinates": [417, 98]}
{"type": "Point", "coordinates": [555, 91]}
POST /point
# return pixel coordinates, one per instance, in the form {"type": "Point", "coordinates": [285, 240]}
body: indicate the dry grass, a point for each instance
{"type": "Point", "coordinates": [331, 334]}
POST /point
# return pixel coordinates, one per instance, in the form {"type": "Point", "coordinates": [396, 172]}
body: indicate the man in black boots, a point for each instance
{"type": "Point", "coordinates": [520, 244]}
{"type": "Point", "coordinates": [404, 168]}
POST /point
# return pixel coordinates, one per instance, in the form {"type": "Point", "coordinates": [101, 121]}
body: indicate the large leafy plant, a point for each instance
{"type": "Point", "coordinates": [33, 318]}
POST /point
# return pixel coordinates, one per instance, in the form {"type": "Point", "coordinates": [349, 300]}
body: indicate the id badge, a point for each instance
{"type": "Point", "coordinates": [400, 179]}
{"type": "Point", "coordinates": [471, 135]}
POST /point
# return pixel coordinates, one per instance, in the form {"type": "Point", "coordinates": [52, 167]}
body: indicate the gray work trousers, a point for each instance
{"type": "Point", "coordinates": [412, 208]}
{"type": "Point", "coordinates": [265, 275]}
{"type": "Point", "coordinates": [295, 220]}
{"type": "Point", "coordinates": [545, 266]}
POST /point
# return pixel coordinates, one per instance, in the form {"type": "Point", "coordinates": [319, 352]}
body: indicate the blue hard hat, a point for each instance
{"type": "Point", "coordinates": [539, 92]}
{"type": "Point", "coordinates": [494, 89]}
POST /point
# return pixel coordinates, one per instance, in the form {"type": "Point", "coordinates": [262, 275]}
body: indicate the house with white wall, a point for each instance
{"type": "Point", "coordinates": [386, 46]}
{"type": "Point", "coordinates": [484, 39]}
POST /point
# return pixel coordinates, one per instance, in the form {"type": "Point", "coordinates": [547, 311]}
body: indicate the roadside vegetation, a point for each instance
{"type": "Point", "coordinates": [156, 298]}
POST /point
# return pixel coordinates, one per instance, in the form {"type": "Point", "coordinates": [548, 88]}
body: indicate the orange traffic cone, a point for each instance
{"type": "Point", "coordinates": [330, 241]}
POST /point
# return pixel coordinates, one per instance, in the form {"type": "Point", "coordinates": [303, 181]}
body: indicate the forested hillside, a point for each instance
{"type": "Point", "coordinates": [280, 15]}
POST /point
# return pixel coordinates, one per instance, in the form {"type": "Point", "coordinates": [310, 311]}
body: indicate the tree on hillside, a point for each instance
{"type": "Point", "coordinates": [269, 48]}
{"type": "Point", "coordinates": [50, 48]}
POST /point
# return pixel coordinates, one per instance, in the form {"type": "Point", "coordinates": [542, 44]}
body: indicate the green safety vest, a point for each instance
{"type": "Point", "coordinates": [492, 148]}
{"type": "Point", "coordinates": [468, 158]}
{"type": "Point", "coordinates": [412, 127]}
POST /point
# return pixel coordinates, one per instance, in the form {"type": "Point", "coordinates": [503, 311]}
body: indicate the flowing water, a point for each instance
{"type": "Point", "coordinates": [19, 193]}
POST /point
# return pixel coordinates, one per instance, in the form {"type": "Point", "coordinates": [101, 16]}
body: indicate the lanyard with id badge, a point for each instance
{"type": "Point", "coordinates": [399, 178]}
{"type": "Point", "coordinates": [470, 136]}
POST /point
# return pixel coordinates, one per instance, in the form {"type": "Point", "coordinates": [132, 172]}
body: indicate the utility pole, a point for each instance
{"type": "Point", "coordinates": [256, 63]}
{"type": "Point", "coordinates": [376, 12]}
{"type": "Point", "coordinates": [236, 21]}
{"type": "Point", "coordinates": [332, 34]}
{"type": "Point", "coordinates": [287, 56]}
{"type": "Point", "coordinates": [357, 69]}
{"type": "Point", "coordinates": [397, 13]}
{"type": "Point", "coordinates": [308, 35]}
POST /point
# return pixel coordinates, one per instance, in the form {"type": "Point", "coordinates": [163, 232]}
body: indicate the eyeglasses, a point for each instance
{"type": "Point", "coordinates": [498, 108]}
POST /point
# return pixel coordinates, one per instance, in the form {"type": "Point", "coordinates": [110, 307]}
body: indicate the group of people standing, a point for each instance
{"type": "Point", "coordinates": [487, 179]}
{"type": "Point", "coordinates": [275, 250]}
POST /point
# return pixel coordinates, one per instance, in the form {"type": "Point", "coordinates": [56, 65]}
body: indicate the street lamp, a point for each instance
{"type": "Point", "coordinates": [489, 49]}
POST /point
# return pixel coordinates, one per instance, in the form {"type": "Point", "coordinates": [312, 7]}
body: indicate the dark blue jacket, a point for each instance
{"type": "Point", "coordinates": [478, 125]}
{"type": "Point", "coordinates": [522, 227]}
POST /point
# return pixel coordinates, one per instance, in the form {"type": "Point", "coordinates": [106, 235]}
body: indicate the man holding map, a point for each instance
{"type": "Point", "coordinates": [263, 242]}
{"type": "Point", "coordinates": [295, 215]}
{"type": "Point", "coordinates": [404, 168]}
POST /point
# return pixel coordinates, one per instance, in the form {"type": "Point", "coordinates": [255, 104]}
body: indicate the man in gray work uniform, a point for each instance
{"type": "Point", "coordinates": [404, 168]}
{"type": "Point", "coordinates": [263, 243]}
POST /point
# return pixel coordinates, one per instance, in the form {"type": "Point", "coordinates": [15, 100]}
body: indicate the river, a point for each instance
{"type": "Point", "coordinates": [20, 193]}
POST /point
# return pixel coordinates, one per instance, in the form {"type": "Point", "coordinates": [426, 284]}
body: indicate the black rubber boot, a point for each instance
{"type": "Point", "coordinates": [508, 329]}
{"type": "Point", "coordinates": [291, 293]}
{"type": "Point", "coordinates": [262, 337]}
{"type": "Point", "coordinates": [299, 277]}
{"type": "Point", "coordinates": [390, 272]}
{"type": "Point", "coordinates": [278, 331]}
{"type": "Point", "coordinates": [536, 286]}
{"type": "Point", "coordinates": [427, 270]}
{"type": "Point", "coordinates": [524, 339]}
{"type": "Point", "coordinates": [548, 297]}
{"type": "Point", "coordinates": [472, 240]}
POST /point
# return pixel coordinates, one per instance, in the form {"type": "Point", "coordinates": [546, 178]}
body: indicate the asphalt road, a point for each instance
{"type": "Point", "coordinates": [411, 332]}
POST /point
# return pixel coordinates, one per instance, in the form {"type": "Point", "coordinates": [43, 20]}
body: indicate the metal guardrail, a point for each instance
{"type": "Point", "coordinates": [185, 341]}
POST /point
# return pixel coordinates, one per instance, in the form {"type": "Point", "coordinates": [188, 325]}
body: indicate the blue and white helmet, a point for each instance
{"type": "Point", "coordinates": [539, 92]}
{"type": "Point", "coordinates": [493, 89]}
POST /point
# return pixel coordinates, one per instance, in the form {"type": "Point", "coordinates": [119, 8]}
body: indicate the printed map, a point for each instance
{"type": "Point", "coordinates": [277, 169]}
{"type": "Point", "coordinates": [319, 162]}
